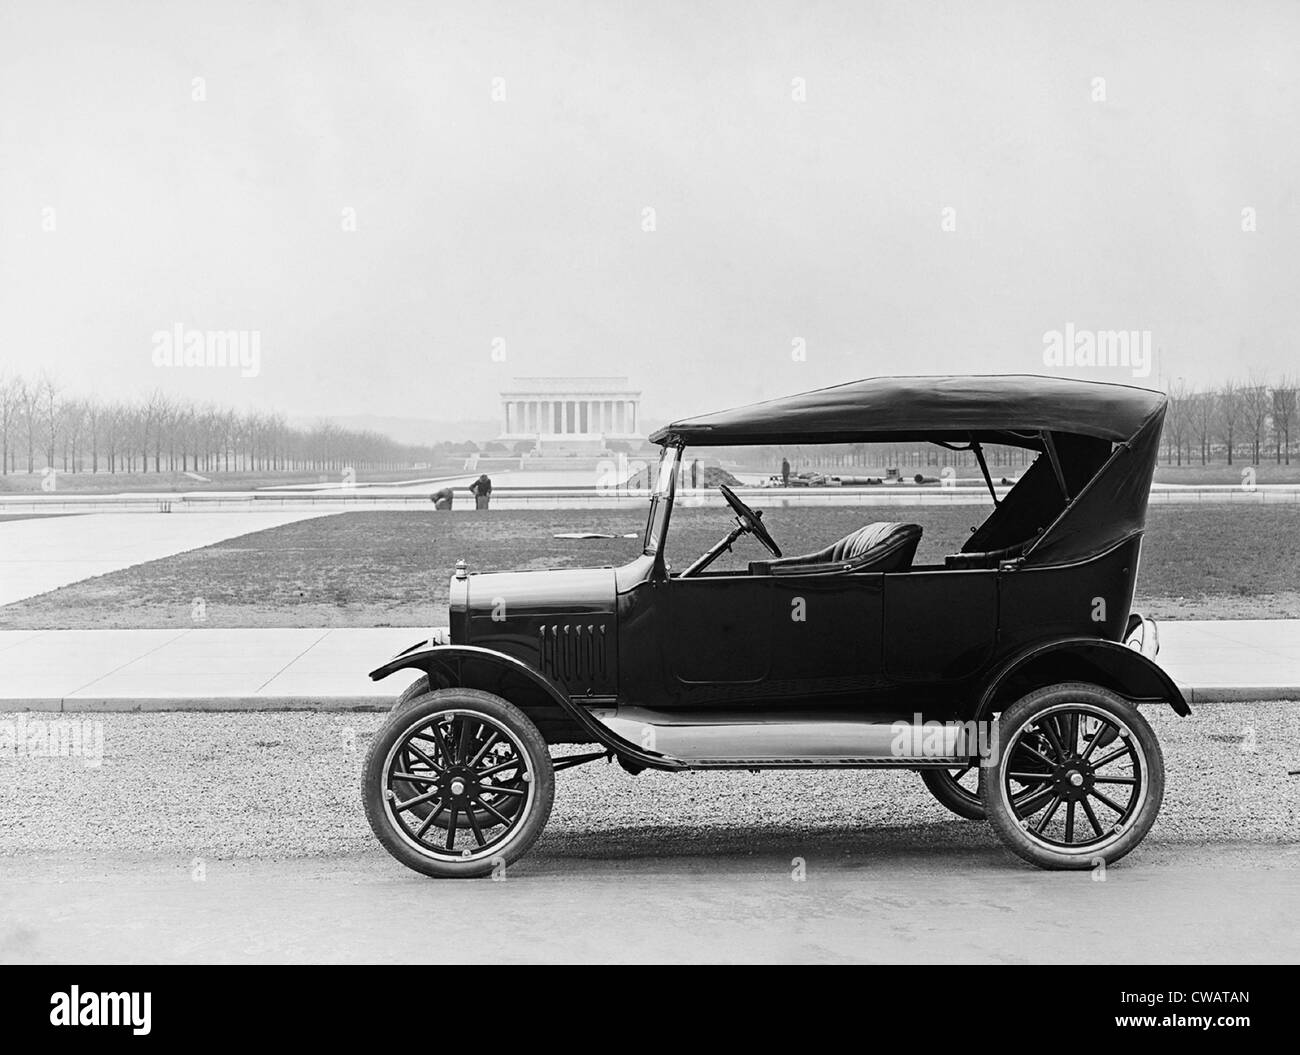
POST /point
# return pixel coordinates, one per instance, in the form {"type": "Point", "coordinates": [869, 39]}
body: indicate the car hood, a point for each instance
{"type": "Point", "coordinates": [568, 592]}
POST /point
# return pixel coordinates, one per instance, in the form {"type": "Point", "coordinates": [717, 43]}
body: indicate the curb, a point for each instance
{"type": "Point", "coordinates": [213, 704]}
{"type": "Point", "coordinates": [1241, 694]}
{"type": "Point", "coordinates": [221, 704]}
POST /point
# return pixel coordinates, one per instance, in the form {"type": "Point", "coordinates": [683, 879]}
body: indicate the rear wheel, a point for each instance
{"type": "Point", "coordinates": [1079, 777]}
{"type": "Point", "coordinates": [958, 789]}
{"type": "Point", "coordinates": [470, 760]}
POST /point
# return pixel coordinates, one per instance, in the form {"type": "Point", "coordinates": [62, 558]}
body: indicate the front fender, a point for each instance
{"type": "Point", "coordinates": [1106, 663]}
{"type": "Point", "coordinates": [474, 667]}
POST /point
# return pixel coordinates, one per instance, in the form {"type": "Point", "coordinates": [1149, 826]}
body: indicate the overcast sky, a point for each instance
{"type": "Point", "coordinates": [201, 163]}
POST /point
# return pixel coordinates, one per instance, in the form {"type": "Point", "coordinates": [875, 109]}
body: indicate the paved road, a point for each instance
{"type": "Point", "coordinates": [1191, 905]}
{"type": "Point", "coordinates": [98, 852]}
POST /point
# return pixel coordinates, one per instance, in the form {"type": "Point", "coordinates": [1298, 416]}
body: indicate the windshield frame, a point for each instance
{"type": "Point", "coordinates": [661, 502]}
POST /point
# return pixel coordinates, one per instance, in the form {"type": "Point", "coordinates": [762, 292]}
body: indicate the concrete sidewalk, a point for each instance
{"type": "Point", "coordinates": [43, 554]}
{"type": "Point", "coordinates": [322, 669]}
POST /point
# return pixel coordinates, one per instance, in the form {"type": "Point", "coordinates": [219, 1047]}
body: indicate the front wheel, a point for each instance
{"type": "Point", "coordinates": [1079, 777]}
{"type": "Point", "coordinates": [452, 758]}
{"type": "Point", "coordinates": [406, 790]}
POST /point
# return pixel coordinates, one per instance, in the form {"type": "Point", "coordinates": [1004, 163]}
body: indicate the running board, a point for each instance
{"type": "Point", "coordinates": [716, 740]}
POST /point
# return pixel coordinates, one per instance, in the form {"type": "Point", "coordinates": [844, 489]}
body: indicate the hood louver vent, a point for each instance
{"type": "Point", "coordinates": [576, 654]}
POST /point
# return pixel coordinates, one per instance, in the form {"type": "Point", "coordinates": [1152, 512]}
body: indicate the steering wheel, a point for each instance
{"type": "Point", "coordinates": [750, 520]}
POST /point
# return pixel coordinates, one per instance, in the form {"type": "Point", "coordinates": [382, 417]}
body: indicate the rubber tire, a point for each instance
{"type": "Point", "coordinates": [425, 706]}
{"type": "Point", "coordinates": [952, 795]}
{"type": "Point", "coordinates": [1004, 822]}
{"type": "Point", "coordinates": [417, 688]}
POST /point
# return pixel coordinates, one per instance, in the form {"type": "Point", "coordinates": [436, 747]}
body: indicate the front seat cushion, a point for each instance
{"type": "Point", "coordinates": [879, 547]}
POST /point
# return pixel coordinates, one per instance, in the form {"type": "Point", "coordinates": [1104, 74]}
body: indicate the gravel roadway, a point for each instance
{"type": "Point", "coordinates": [239, 837]}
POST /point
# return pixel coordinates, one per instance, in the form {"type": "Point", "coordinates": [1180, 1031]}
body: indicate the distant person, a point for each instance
{"type": "Point", "coordinates": [695, 472]}
{"type": "Point", "coordinates": [481, 489]}
{"type": "Point", "coordinates": [442, 499]}
{"type": "Point", "coordinates": [785, 472]}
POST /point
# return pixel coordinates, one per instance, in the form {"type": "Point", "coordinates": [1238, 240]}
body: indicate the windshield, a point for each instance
{"type": "Point", "coordinates": [661, 500]}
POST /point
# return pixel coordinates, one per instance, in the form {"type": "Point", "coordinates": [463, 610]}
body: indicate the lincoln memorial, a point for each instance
{"type": "Point", "coordinates": [575, 413]}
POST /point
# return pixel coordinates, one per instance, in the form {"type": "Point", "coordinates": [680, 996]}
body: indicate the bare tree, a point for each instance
{"type": "Point", "coordinates": [1228, 408]}
{"type": "Point", "coordinates": [1176, 421]}
{"type": "Point", "coordinates": [72, 424]}
{"type": "Point", "coordinates": [1284, 402]}
{"type": "Point", "coordinates": [29, 404]}
{"type": "Point", "coordinates": [1202, 420]}
{"type": "Point", "coordinates": [48, 408]}
{"type": "Point", "coordinates": [10, 411]}
{"type": "Point", "coordinates": [229, 437]}
{"type": "Point", "coordinates": [111, 423]}
{"type": "Point", "coordinates": [139, 425]}
{"type": "Point", "coordinates": [94, 416]}
{"type": "Point", "coordinates": [162, 411]}
{"type": "Point", "coordinates": [183, 436]}
{"type": "Point", "coordinates": [1255, 403]}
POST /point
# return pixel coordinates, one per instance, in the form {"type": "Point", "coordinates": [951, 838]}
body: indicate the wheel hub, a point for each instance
{"type": "Point", "coordinates": [458, 784]}
{"type": "Point", "coordinates": [1072, 779]}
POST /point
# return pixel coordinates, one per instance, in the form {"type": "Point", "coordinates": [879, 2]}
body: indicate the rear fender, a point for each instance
{"type": "Point", "coordinates": [1109, 664]}
{"type": "Point", "coordinates": [559, 718]}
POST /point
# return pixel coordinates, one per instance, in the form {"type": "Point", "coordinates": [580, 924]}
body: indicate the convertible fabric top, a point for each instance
{"type": "Point", "coordinates": [1088, 494]}
{"type": "Point", "coordinates": [1009, 409]}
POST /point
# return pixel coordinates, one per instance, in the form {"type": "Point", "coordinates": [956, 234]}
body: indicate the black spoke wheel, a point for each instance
{"type": "Point", "coordinates": [408, 790]}
{"type": "Point", "coordinates": [457, 782]}
{"type": "Point", "coordinates": [1079, 777]}
{"type": "Point", "coordinates": [957, 789]}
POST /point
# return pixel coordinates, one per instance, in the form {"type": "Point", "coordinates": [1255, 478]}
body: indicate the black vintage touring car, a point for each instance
{"type": "Point", "coordinates": [1009, 675]}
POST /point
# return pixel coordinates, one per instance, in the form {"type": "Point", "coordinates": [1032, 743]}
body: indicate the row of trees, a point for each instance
{"type": "Point", "coordinates": [42, 426]}
{"type": "Point", "coordinates": [1242, 420]}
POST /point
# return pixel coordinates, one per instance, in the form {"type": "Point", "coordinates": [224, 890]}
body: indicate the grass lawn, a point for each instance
{"type": "Point", "coordinates": [391, 568]}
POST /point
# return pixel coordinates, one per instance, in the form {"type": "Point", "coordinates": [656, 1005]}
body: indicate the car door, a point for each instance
{"type": "Point", "coordinates": [749, 638]}
{"type": "Point", "coordinates": [826, 636]}
{"type": "Point", "coordinates": [941, 624]}
{"type": "Point", "coordinates": [719, 632]}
